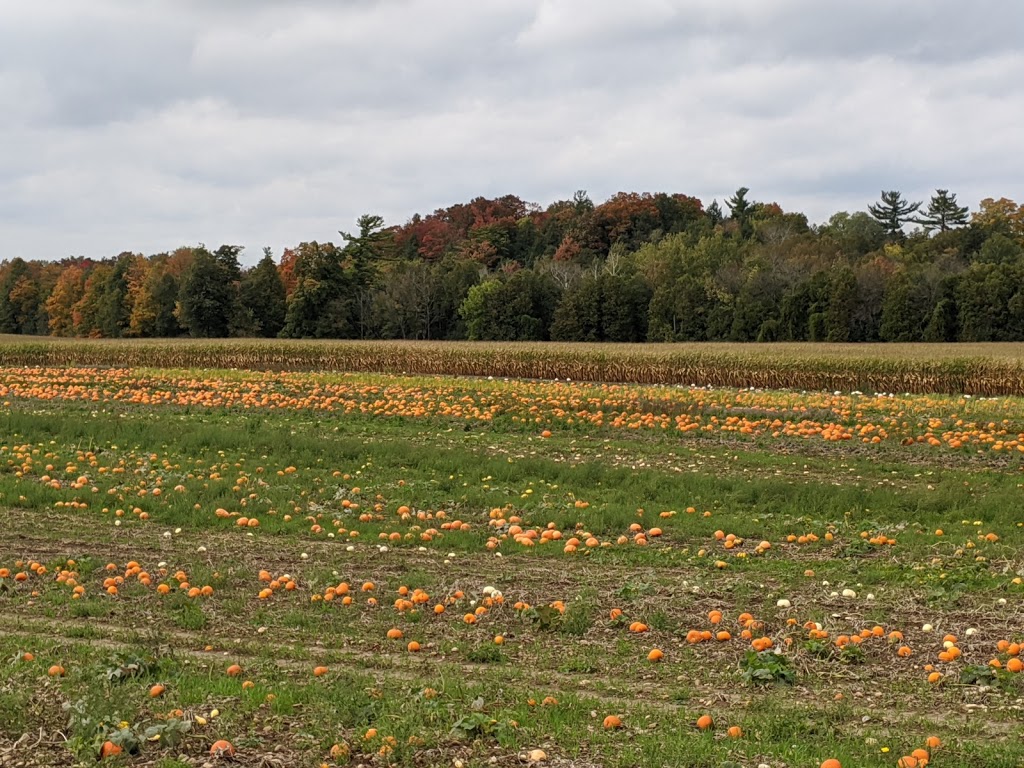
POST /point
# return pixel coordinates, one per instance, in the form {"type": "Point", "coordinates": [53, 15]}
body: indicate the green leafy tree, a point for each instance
{"type": "Point", "coordinates": [757, 301]}
{"type": "Point", "coordinates": [857, 234]}
{"type": "Point", "coordinates": [113, 309]}
{"type": "Point", "coordinates": [872, 279]}
{"type": "Point", "coordinates": [206, 303]}
{"type": "Point", "coordinates": [519, 308]}
{"type": "Point", "coordinates": [321, 305]}
{"type": "Point", "coordinates": [578, 315]}
{"type": "Point", "coordinates": [678, 311]}
{"type": "Point", "coordinates": [606, 307]}
{"type": "Point", "coordinates": [817, 327]}
{"type": "Point", "coordinates": [240, 320]}
{"type": "Point", "coordinates": [1000, 249]}
{"type": "Point", "coordinates": [625, 300]}
{"type": "Point", "coordinates": [478, 310]}
{"type": "Point", "coordinates": [799, 303]}
{"type": "Point", "coordinates": [770, 331]}
{"type": "Point", "coordinates": [405, 304]}
{"type": "Point", "coordinates": [455, 278]}
{"type": "Point", "coordinates": [10, 275]}
{"type": "Point", "coordinates": [25, 304]}
{"type": "Point", "coordinates": [680, 213]}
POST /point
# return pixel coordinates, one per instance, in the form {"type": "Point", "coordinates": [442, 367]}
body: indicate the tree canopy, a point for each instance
{"type": "Point", "coordinates": [635, 267]}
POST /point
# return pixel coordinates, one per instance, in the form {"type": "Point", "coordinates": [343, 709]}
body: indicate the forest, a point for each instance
{"type": "Point", "coordinates": [637, 267]}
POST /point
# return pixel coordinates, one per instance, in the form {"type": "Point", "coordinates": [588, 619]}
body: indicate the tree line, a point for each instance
{"type": "Point", "coordinates": [637, 267]}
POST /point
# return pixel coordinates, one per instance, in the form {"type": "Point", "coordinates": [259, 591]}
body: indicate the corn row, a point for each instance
{"type": "Point", "coordinates": [979, 369]}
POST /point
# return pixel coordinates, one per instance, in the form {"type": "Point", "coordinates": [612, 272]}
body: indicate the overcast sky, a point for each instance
{"type": "Point", "coordinates": [147, 124]}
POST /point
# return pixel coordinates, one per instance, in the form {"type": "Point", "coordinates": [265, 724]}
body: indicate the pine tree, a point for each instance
{"type": "Point", "coordinates": [841, 303]}
{"type": "Point", "coordinates": [943, 213]}
{"type": "Point", "coordinates": [893, 212]}
{"type": "Point", "coordinates": [741, 210]}
{"type": "Point", "coordinates": [363, 252]}
{"type": "Point", "coordinates": [714, 213]}
{"type": "Point", "coordinates": [905, 309]}
{"type": "Point", "coordinates": [943, 324]}
{"type": "Point", "coordinates": [263, 296]}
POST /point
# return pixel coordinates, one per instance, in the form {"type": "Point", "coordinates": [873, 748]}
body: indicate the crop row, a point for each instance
{"type": "Point", "coordinates": [919, 369]}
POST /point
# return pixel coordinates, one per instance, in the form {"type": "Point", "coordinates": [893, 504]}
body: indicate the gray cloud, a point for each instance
{"type": "Point", "coordinates": [146, 125]}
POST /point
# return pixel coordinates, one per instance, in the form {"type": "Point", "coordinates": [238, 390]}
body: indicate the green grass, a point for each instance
{"type": "Point", "coordinates": [757, 488]}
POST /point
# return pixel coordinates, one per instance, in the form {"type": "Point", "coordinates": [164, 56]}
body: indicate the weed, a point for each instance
{"type": "Point", "coordinates": [767, 667]}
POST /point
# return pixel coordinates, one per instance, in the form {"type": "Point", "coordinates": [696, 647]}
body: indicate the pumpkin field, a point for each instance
{"type": "Point", "coordinates": [222, 566]}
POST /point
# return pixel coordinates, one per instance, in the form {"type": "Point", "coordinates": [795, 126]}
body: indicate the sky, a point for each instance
{"type": "Point", "coordinates": [144, 125]}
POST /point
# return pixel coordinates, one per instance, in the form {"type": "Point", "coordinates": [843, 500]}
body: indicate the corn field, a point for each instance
{"type": "Point", "coordinates": [975, 369]}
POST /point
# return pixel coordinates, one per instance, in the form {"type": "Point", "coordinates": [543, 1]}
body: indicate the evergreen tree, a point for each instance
{"type": "Point", "coordinates": [363, 253]}
{"type": "Point", "coordinates": [365, 249]}
{"type": "Point", "coordinates": [164, 292]}
{"type": "Point", "coordinates": [112, 311]}
{"type": "Point", "coordinates": [893, 212]}
{"type": "Point", "coordinates": [817, 327]}
{"type": "Point", "coordinates": [983, 296]}
{"type": "Point", "coordinates": [25, 305]}
{"type": "Point", "coordinates": [227, 259]}
{"type": "Point", "coordinates": [906, 310]}
{"type": "Point", "coordinates": [794, 311]}
{"type": "Point", "coordinates": [799, 303]}
{"type": "Point", "coordinates": [770, 331]}
{"type": "Point", "coordinates": [741, 211]}
{"type": "Point", "coordinates": [715, 215]}
{"type": "Point", "coordinates": [757, 301]}
{"type": "Point", "coordinates": [262, 294]}
{"type": "Point", "coordinates": [943, 324]}
{"type": "Point", "coordinates": [943, 213]}
{"type": "Point", "coordinates": [581, 202]}
{"type": "Point", "coordinates": [841, 303]}
{"type": "Point", "coordinates": [454, 279]}
{"type": "Point", "coordinates": [624, 308]}
{"type": "Point", "coordinates": [240, 321]}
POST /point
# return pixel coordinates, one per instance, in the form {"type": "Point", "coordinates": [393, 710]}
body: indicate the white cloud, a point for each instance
{"type": "Point", "coordinates": [147, 125]}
